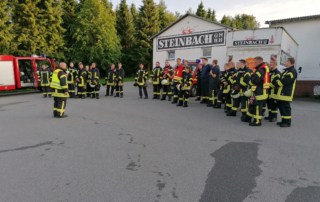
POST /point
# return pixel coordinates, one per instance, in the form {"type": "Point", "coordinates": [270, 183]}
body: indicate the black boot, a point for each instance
{"type": "Point", "coordinates": [255, 123]}
{"type": "Point", "coordinates": [175, 101]}
{"type": "Point", "coordinates": [245, 118]}
{"type": "Point", "coordinates": [217, 106]}
{"type": "Point", "coordinates": [210, 104]}
{"type": "Point", "coordinates": [204, 101]}
{"type": "Point", "coordinates": [185, 104]}
{"type": "Point", "coordinates": [180, 103]}
{"type": "Point", "coordinates": [169, 98]}
{"type": "Point", "coordinates": [198, 98]}
{"type": "Point", "coordinates": [232, 113]}
{"type": "Point", "coordinates": [163, 97]}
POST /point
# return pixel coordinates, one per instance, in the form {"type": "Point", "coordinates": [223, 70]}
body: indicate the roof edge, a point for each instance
{"type": "Point", "coordinates": [295, 19]}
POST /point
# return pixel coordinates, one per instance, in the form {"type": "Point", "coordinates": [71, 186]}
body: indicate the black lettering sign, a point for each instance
{"type": "Point", "coordinates": [212, 38]}
{"type": "Point", "coordinates": [251, 42]}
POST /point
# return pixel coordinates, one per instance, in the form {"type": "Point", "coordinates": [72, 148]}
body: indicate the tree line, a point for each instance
{"type": "Point", "coordinates": [92, 30]}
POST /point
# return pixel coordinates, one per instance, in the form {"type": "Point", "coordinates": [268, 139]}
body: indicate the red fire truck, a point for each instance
{"type": "Point", "coordinates": [21, 72]}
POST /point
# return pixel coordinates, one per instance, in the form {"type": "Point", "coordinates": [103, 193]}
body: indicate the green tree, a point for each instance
{"type": "Point", "coordinates": [50, 20]}
{"type": "Point", "coordinates": [165, 17]}
{"type": "Point", "coordinates": [208, 16]}
{"type": "Point", "coordinates": [246, 22]}
{"type": "Point", "coordinates": [201, 11]}
{"type": "Point", "coordinates": [227, 20]}
{"type": "Point", "coordinates": [126, 33]}
{"type": "Point", "coordinates": [6, 31]}
{"type": "Point", "coordinates": [213, 15]}
{"type": "Point", "coordinates": [70, 8]}
{"type": "Point", "coordinates": [148, 25]}
{"type": "Point", "coordinates": [134, 13]}
{"type": "Point", "coordinates": [28, 37]}
{"type": "Point", "coordinates": [95, 37]}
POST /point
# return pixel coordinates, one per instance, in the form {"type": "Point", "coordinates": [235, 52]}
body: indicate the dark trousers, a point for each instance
{"type": "Point", "coordinates": [59, 106]}
{"type": "Point", "coordinates": [119, 90]}
{"type": "Point", "coordinates": [175, 92]}
{"type": "Point", "coordinates": [272, 108]}
{"type": "Point", "coordinates": [221, 97]}
{"type": "Point", "coordinates": [166, 91]}
{"type": "Point", "coordinates": [89, 90]}
{"type": "Point", "coordinates": [205, 89]}
{"type": "Point", "coordinates": [285, 111]}
{"type": "Point", "coordinates": [71, 90]}
{"type": "Point", "coordinates": [96, 91]}
{"type": "Point", "coordinates": [144, 88]}
{"type": "Point", "coordinates": [184, 96]}
{"type": "Point", "coordinates": [82, 91]}
{"type": "Point", "coordinates": [255, 111]}
{"type": "Point", "coordinates": [199, 88]}
{"type": "Point", "coordinates": [228, 100]}
{"type": "Point", "coordinates": [47, 91]}
{"type": "Point", "coordinates": [242, 102]}
{"type": "Point", "coordinates": [156, 90]}
{"type": "Point", "coordinates": [110, 90]}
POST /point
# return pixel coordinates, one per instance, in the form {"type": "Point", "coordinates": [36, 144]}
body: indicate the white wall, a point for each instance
{"type": "Point", "coordinates": [307, 34]}
{"type": "Point", "coordinates": [197, 25]}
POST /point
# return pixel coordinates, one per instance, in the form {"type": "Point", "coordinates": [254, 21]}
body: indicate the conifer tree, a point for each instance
{"type": "Point", "coordinates": [201, 11]}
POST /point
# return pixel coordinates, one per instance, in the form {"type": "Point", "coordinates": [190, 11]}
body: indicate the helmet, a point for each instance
{"type": "Point", "coordinates": [164, 82]}
{"type": "Point", "coordinates": [92, 85]}
{"type": "Point", "coordinates": [248, 93]}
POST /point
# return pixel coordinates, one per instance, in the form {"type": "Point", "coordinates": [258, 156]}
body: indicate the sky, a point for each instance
{"type": "Point", "coordinates": [262, 10]}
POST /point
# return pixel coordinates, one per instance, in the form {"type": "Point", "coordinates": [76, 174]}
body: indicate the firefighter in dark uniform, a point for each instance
{"type": "Point", "coordinates": [198, 73]}
{"type": "Point", "coordinates": [259, 85]}
{"type": "Point", "coordinates": [141, 81]}
{"type": "Point", "coordinates": [110, 80]}
{"type": "Point", "coordinates": [82, 81]}
{"type": "Point", "coordinates": [213, 83]}
{"type": "Point", "coordinates": [176, 80]}
{"type": "Point", "coordinates": [185, 87]}
{"type": "Point", "coordinates": [60, 87]}
{"type": "Point", "coordinates": [271, 102]}
{"type": "Point", "coordinates": [95, 84]}
{"type": "Point", "coordinates": [204, 76]}
{"type": "Point", "coordinates": [119, 81]}
{"type": "Point", "coordinates": [72, 77]}
{"type": "Point", "coordinates": [45, 78]}
{"type": "Point", "coordinates": [156, 76]}
{"type": "Point", "coordinates": [228, 85]}
{"type": "Point", "coordinates": [287, 85]}
{"type": "Point", "coordinates": [89, 75]}
{"type": "Point", "coordinates": [241, 83]}
{"type": "Point", "coordinates": [167, 75]}
{"type": "Point", "coordinates": [221, 95]}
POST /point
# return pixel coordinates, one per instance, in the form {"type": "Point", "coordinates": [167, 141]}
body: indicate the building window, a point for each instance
{"type": "Point", "coordinates": [171, 55]}
{"type": "Point", "coordinates": [207, 52]}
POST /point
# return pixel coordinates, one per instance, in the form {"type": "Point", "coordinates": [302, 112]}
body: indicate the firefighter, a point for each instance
{"type": "Point", "coordinates": [286, 85]}
{"type": "Point", "coordinates": [198, 73]}
{"type": "Point", "coordinates": [241, 82]}
{"type": "Point", "coordinates": [213, 83]}
{"type": "Point", "coordinates": [259, 84]}
{"type": "Point", "coordinates": [228, 85]}
{"type": "Point", "coordinates": [204, 76]}
{"type": "Point", "coordinates": [167, 75]}
{"type": "Point", "coordinates": [60, 94]}
{"type": "Point", "coordinates": [82, 81]}
{"type": "Point", "coordinates": [119, 81]}
{"type": "Point", "coordinates": [141, 81]}
{"type": "Point", "coordinates": [45, 77]}
{"type": "Point", "coordinates": [95, 84]}
{"type": "Point", "coordinates": [156, 76]}
{"type": "Point", "coordinates": [110, 80]}
{"type": "Point", "coordinates": [271, 102]}
{"type": "Point", "coordinates": [89, 75]}
{"type": "Point", "coordinates": [72, 76]}
{"type": "Point", "coordinates": [176, 80]}
{"type": "Point", "coordinates": [221, 95]}
{"type": "Point", "coordinates": [185, 87]}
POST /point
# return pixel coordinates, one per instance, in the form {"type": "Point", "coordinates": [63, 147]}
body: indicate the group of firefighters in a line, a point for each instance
{"type": "Point", "coordinates": [235, 87]}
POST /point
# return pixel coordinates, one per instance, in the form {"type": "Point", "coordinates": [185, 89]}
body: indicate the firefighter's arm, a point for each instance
{"type": "Point", "coordinates": [63, 81]}
{"type": "Point", "coordinates": [232, 79]}
{"type": "Point", "coordinates": [257, 77]}
{"type": "Point", "coordinates": [190, 81]}
{"type": "Point", "coordinates": [245, 80]}
{"type": "Point", "coordinates": [287, 79]}
{"type": "Point", "coordinates": [274, 81]}
{"type": "Point", "coordinates": [146, 75]}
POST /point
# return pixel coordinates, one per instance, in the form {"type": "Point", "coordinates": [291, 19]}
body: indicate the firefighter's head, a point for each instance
{"type": "Point", "coordinates": [157, 64]}
{"type": "Point", "coordinates": [242, 63]}
{"type": "Point", "coordinates": [205, 61]}
{"type": "Point", "coordinates": [231, 65]}
{"type": "Point", "coordinates": [93, 65]}
{"type": "Point", "coordinates": [43, 67]}
{"type": "Point", "coordinates": [214, 63]}
{"type": "Point", "coordinates": [112, 66]}
{"type": "Point", "coordinates": [178, 61]}
{"type": "Point", "coordinates": [167, 63]}
{"type": "Point", "coordinates": [80, 65]}
{"type": "Point", "coordinates": [71, 64]}
{"type": "Point", "coordinates": [63, 65]}
{"type": "Point", "coordinates": [273, 64]}
{"type": "Point", "coordinates": [119, 65]}
{"type": "Point", "coordinates": [290, 62]}
{"type": "Point", "coordinates": [258, 60]}
{"type": "Point", "coordinates": [187, 69]}
{"type": "Point", "coordinates": [87, 68]}
{"type": "Point", "coordinates": [141, 66]}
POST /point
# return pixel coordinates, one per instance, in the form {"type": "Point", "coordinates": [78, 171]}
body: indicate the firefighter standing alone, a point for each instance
{"type": "Point", "coordinates": [60, 94]}
{"type": "Point", "coordinates": [45, 78]}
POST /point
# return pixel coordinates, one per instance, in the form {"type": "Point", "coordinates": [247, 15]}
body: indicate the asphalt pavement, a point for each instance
{"type": "Point", "coordinates": [133, 150]}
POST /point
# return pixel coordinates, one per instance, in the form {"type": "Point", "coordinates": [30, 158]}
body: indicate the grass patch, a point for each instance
{"type": "Point", "coordinates": [126, 79]}
{"type": "Point", "coordinates": [23, 90]}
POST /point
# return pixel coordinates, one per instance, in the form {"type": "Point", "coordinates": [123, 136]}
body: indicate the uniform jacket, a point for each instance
{"type": "Point", "coordinates": [141, 78]}
{"type": "Point", "coordinates": [286, 84]}
{"type": "Point", "coordinates": [256, 82]}
{"type": "Point", "coordinates": [156, 75]}
{"type": "Point", "coordinates": [274, 75]}
{"type": "Point", "coordinates": [110, 77]}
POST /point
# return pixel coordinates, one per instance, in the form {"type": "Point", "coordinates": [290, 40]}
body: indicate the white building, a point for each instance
{"type": "Point", "coordinates": [190, 38]}
{"type": "Point", "coordinates": [306, 31]}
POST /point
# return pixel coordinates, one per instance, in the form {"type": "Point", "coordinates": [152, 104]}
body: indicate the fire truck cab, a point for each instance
{"type": "Point", "coordinates": [21, 72]}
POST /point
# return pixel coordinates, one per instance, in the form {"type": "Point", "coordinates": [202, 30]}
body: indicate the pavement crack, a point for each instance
{"type": "Point", "coordinates": [28, 147]}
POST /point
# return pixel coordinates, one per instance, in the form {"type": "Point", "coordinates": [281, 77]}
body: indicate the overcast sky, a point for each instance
{"type": "Point", "coordinates": [263, 10]}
